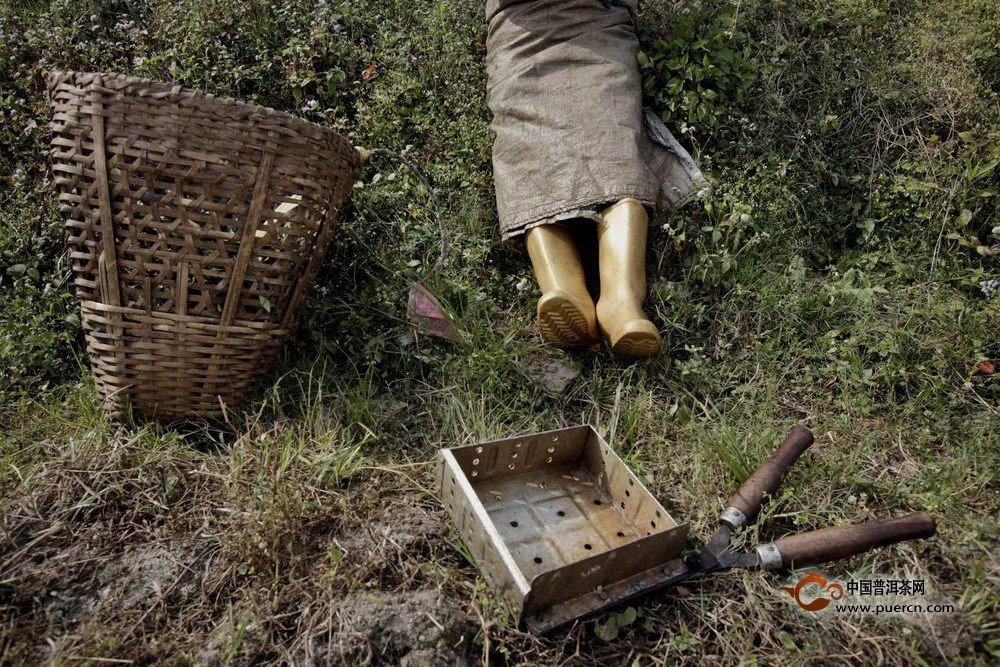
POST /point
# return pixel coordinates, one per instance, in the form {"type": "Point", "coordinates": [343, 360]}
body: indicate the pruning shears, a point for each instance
{"type": "Point", "coordinates": [800, 550]}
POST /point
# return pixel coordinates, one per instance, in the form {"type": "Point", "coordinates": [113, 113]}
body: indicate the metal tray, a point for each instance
{"type": "Point", "coordinates": [558, 524]}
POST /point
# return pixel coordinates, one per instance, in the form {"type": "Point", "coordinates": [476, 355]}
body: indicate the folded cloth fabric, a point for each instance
{"type": "Point", "coordinates": [571, 133]}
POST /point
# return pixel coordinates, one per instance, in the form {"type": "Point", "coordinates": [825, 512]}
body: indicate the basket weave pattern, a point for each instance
{"type": "Point", "coordinates": [195, 225]}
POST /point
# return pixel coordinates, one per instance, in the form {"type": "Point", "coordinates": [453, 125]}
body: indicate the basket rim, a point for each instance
{"type": "Point", "coordinates": [175, 92]}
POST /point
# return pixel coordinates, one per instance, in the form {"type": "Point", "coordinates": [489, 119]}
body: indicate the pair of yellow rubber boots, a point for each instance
{"type": "Point", "coordinates": [567, 315]}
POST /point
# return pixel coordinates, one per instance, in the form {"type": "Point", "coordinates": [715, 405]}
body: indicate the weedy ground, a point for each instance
{"type": "Point", "coordinates": [842, 274]}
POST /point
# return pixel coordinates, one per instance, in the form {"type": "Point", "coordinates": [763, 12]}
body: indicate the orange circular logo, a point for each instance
{"type": "Point", "coordinates": [831, 591]}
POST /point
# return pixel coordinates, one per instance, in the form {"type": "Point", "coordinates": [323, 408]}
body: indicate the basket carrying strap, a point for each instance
{"type": "Point", "coordinates": [242, 258]}
{"type": "Point", "coordinates": [108, 261]}
{"type": "Point", "coordinates": [247, 242]}
{"type": "Point", "coordinates": [312, 268]}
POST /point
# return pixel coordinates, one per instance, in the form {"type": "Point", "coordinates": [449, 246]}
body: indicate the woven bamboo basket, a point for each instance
{"type": "Point", "coordinates": [195, 225]}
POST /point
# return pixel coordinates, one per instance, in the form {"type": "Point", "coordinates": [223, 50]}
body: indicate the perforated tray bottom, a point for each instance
{"type": "Point", "coordinates": [554, 517]}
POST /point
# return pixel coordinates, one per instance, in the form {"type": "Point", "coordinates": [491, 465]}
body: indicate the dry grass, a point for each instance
{"type": "Point", "coordinates": [302, 539]}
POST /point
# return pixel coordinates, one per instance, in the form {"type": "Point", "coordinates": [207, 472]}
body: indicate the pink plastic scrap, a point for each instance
{"type": "Point", "coordinates": [426, 313]}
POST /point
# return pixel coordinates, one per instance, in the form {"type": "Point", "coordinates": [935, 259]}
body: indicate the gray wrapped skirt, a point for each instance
{"type": "Point", "coordinates": [571, 133]}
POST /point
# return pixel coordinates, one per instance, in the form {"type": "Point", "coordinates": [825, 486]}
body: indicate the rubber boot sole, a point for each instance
{"type": "Point", "coordinates": [562, 322]}
{"type": "Point", "coordinates": [640, 340]}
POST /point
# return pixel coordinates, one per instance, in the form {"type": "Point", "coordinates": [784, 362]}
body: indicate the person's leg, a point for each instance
{"type": "Point", "coordinates": [566, 314]}
{"type": "Point", "coordinates": [621, 239]}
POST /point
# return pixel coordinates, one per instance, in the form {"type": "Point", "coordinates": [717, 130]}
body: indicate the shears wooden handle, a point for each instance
{"type": "Point", "coordinates": [830, 544]}
{"type": "Point", "coordinates": [814, 547]}
{"type": "Point", "coordinates": [745, 504]}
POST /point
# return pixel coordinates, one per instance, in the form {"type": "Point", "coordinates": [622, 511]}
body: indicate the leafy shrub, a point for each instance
{"type": "Point", "coordinates": [38, 319]}
{"type": "Point", "coordinates": [696, 72]}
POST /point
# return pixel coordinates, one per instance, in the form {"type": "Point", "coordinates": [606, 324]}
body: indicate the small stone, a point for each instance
{"type": "Point", "coordinates": [551, 370]}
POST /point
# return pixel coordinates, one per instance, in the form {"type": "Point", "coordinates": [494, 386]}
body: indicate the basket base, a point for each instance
{"type": "Point", "coordinates": [169, 368]}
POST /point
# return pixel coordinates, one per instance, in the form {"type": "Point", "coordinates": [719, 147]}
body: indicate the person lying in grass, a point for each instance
{"type": "Point", "coordinates": [574, 147]}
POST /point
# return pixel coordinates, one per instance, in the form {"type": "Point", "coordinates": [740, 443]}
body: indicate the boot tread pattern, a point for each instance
{"type": "Point", "coordinates": [562, 323]}
{"type": "Point", "coordinates": [637, 345]}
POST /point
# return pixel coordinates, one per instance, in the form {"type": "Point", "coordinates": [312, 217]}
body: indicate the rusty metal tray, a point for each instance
{"type": "Point", "coordinates": [558, 524]}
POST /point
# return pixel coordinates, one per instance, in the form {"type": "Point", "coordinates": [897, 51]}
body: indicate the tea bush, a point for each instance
{"type": "Point", "coordinates": [697, 72]}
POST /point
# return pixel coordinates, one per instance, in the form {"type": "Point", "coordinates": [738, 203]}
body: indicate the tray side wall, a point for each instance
{"type": "Point", "coordinates": [575, 580]}
{"type": "Point", "coordinates": [514, 456]}
{"type": "Point", "coordinates": [479, 534]}
{"type": "Point", "coordinates": [625, 488]}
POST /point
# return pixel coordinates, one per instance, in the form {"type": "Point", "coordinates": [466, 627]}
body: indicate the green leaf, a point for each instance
{"type": "Point", "coordinates": [607, 631]}
{"type": "Point", "coordinates": [16, 270]}
{"type": "Point", "coordinates": [627, 617]}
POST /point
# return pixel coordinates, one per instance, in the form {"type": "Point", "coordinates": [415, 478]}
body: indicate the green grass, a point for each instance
{"type": "Point", "coordinates": [836, 277]}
